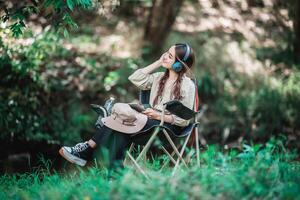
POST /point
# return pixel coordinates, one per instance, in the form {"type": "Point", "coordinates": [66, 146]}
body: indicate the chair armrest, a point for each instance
{"type": "Point", "coordinates": [177, 108]}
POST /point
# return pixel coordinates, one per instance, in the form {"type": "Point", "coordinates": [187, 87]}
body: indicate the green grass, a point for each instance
{"type": "Point", "coordinates": [259, 172]}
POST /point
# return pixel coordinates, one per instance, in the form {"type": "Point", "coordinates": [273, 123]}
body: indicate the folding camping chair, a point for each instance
{"type": "Point", "coordinates": [177, 108]}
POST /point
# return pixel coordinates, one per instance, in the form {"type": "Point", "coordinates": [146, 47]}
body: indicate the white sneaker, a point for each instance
{"type": "Point", "coordinates": [79, 154]}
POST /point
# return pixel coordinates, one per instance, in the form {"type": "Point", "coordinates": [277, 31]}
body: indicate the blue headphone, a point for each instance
{"type": "Point", "coordinates": [177, 66]}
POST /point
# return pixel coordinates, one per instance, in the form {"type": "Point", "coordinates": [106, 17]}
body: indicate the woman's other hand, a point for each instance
{"type": "Point", "coordinates": [152, 114]}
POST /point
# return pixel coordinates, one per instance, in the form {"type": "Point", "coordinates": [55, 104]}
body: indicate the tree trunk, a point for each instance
{"type": "Point", "coordinates": [161, 18]}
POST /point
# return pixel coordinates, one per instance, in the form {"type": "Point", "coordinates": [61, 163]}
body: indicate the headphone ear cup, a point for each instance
{"type": "Point", "coordinates": [177, 66]}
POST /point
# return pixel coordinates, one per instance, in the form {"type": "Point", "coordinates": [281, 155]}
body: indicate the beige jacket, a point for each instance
{"type": "Point", "coordinates": [151, 81]}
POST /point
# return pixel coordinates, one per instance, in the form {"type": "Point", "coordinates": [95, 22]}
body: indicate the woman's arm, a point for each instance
{"type": "Point", "coordinates": [142, 78]}
{"type": "Point", "coordinates": [153, 114]}
{"type": "Point", "coordinates": [150, 68]}
{"type": "Point", "coordinates": [167, 118]}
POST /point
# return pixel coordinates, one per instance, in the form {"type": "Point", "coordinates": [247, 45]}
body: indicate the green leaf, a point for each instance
{"type": "Point", "coordinates": [17, 28]}
{"type": "Point", "coordinates": [66, 33]}
{"type": "Point", "coordinates": [70, 4]}
{"type": "Point", "coordinates": [47, 3]}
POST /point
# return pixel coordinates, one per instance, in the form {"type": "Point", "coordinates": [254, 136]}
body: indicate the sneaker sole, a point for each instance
{"type": "Point", "coordinates": [71, 158]}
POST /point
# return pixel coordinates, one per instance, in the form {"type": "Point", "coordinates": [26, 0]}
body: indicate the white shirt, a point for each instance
{"type": "Point", "coordinates": [151, 81]}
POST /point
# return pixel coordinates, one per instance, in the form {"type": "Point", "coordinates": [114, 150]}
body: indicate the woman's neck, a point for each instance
{"type": "Point", "coordinates": [173, 75]}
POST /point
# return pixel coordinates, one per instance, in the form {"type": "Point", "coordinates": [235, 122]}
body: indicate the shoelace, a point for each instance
{"type": "Point", "coordinates": [80, 147]}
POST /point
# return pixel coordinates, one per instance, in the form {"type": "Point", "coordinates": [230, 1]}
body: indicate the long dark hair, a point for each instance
{"type": "Point", "coordinates": [180, 50]}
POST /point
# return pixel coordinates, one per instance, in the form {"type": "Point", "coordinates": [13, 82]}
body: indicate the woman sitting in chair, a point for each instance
{"type": "Point", "coordinates": [165, 86]}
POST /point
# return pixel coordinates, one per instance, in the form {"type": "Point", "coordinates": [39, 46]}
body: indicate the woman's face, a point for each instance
{"type": "Point", "coordinates": [168, 58]}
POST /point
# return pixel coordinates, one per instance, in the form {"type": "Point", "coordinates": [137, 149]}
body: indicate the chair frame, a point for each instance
{"type": "Point", "coordinates": [177, 151]}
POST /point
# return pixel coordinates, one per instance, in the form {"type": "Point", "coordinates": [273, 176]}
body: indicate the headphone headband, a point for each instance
{"type": "Point", "coordinates": [187, 52]}
{"type": "Point", "coordinates": [179, 64]}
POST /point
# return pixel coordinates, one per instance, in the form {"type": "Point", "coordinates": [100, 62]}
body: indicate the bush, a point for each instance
{"type": "Point", "coordinates": [46, 88]}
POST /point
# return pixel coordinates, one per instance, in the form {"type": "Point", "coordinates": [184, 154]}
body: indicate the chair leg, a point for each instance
{"type": "Point", "coordinates": [147, 146]}
{"type": "Point", "coordinates": [170, 156]}
{"type": "Point", "coordinates": [167, 162]}
{"type": "Point", "coordinates": [181, 153]}
{"type": "Point", "coordinates": [130, 151]}
{"type": "Point", "coordinates": [144, 151]}
{"type": "Point", "coordinates": [201, 113]}
{"type": "Point", "coordinates": [197, 146]}
{"type": "Point", "coordinates": [174, 147]}
{"type": "Point", "coordinates": [137, 166]}
{"type": "Point", "coordinates": [189, 156]}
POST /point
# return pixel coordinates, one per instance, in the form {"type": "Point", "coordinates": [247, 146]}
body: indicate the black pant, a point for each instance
{"type": "Point", "coordinates": [115, 143]}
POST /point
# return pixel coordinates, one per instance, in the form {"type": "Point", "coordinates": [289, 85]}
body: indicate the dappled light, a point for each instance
{"type": "Point", "coordinates": [64, 65]}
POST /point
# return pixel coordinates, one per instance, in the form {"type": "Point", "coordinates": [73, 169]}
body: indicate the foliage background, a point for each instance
{"type": "Point", "coordinates": [57, 57]}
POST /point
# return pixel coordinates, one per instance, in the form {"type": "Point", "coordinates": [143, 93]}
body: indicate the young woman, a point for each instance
{"type": "Point", "coordinates": [165, 86]}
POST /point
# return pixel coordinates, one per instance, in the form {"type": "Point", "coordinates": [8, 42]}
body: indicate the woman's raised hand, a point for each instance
{"type": "Point", "coordinates": [160, 60]}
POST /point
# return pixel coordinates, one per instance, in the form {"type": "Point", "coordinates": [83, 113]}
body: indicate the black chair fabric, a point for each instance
{"type": "Point", "coordinates": [144, 96]}
{"type": "Point", "coordinates": [177, 108]}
